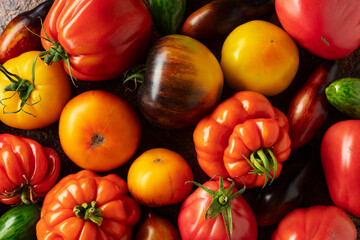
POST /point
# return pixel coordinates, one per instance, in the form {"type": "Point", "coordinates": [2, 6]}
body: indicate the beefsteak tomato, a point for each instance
{"type": "Point", "coordinates": [98, 39]}
{"type": "Point", "coordinates": [84, 206]}
{"type": "Point", "coordinates": [157, 178]}
{"type": "Point", "coordinates": [99, 131]}
{"type": "Point", "coordinates": [216, 211]}
{"type": "Point", "coordinates": [27, 170]}
{"type": "Point", "coordinates": [259, 56]}
{"type": "Point", "coordinates": [32, 101]}
{"type": "Point", "coordinates": [340, 151]}
{"type": "Point", "coordinates": [244, 137]}
{"type": "Point", "coordinates": [316, 223]}
{"type": "Point", "coordinates": [327, 28]}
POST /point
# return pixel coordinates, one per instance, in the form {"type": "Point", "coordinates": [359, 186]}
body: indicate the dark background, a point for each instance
{"type": "Point", "coordinates": [181, 140]}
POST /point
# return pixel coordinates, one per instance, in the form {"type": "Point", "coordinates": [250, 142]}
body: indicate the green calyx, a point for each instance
{"type": "Point", "coordinates": [262, 162]}
{"type": "Point", "coordinates": [221, 202]}
{"type": "Point", "coordinates": [21, 86]}
{"type": "Point", "coordinates": [89, 212]}
{"type": "Point", "coordinates": [135, 75]}
{"type": "Point", "coordinates": [55, 53]}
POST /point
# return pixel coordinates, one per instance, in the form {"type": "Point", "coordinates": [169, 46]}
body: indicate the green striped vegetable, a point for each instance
{"type": "Point", "coordinates": [19, 223]}
{"type": "Point", "coordinates": [344, 95]}
{"type": "Point", "coordinates": [167, 15]}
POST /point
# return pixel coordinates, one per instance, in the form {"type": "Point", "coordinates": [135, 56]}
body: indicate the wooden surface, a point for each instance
{"type": "Point", "coordinates": [181, 140]}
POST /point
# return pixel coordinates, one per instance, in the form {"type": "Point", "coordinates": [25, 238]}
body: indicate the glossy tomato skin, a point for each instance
{"type": "Point", "coordinates": [102, 38]}
{"type": "Point", "coordinates": [26, 167]}
{"type": "Point", "coordinates": [157, 228]}
{"type": "Point", "coordinates": [308, 109]}
{"type": "Point", "coordinates": [192, 223]}
{"type": "Point", "coordinates": [259, 56]}
{"type": "Point", "coordinates": [158, 176]}
{"type": "Point", "coordinates": [17, 39]}
{"type": "Point", "coordinates": [218, 18]}
{"type": "Point", "coordinates": [237, 127]}
{"type": "Point", "coordinates": [119, 212]}
{"type": "Point", "coordinates": [51, 93]}
{"type": "Point", "coordinates": [99, 131]}
{"type": "Point", "coordinates": [183, 81]}
{"type": "Point", "coordinates": [316, 223]}
{"type": "Point", "coordinates": [328, 29]}
{"type": "Point", "coordinates": [340, 160]}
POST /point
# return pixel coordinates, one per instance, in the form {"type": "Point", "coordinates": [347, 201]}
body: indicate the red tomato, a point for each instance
{"type": "Point", "coordinates": [340, 151]}
{"type": "Point", "coordinates": [99, 131]}
{"type": "Point", "coordinates": [157, 228]}
{"type": "Point", "coordinates": [327, 28]}
{"type": "Point", "coordinates": [101, 38]}
{"type": "Point", "coordinates": [27, 170]}
{"type": "Point", "coordinates": [193, 224]}
{"type": "Point", "coordinates": [316, 223]}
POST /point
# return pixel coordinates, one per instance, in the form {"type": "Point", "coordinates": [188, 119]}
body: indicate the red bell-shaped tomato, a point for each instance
{"type": "Point", "coordinates": [327, 28]}
{"type": "Point", "coordinates": [99, 39]}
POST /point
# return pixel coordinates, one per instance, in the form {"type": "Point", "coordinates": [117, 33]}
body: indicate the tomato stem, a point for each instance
{"type": "Point", "coordinates": [263, 161]}
{"type": "Point", "coordinates": [221, 202]}
{"type": "Point", "coordinates": [135, 74]}
{"type": "Point", "coordinates": [21, 86]}
{"type": "Point", "coordinates": [89, 212]}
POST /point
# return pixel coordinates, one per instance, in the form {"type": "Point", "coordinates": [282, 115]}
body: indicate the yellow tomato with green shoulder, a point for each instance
{"type": "Point", "coordinates": [259, 56]}
{"type": "Point", "coordinates": [158, 178]}
{"type": "Point", "coordinates": [30, 100]}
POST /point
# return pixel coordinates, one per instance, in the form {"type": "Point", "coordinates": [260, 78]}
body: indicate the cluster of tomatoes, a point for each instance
{"type": "Point", "coordinates": [116, 154]}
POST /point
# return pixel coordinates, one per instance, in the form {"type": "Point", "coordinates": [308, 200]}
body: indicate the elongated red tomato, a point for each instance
{"type": "Point", "coordinates": [340, 151]}
{"type": "Point", "coordinates": [84, 206]}
{"type": "Point", "coordinates": [27, 170]}
{"type": "Point", "coordinates": [100, 39]}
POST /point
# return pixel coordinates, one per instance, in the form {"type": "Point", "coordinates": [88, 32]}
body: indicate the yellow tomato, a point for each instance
{"type": "Point", "coordinates": [259, 56]}
{"type": "Point", "coordinates": [99, 131]}
{"type": "Point", "coordinates": [157, 178]}
{"type": "Point", "coordinates": [44, 105]}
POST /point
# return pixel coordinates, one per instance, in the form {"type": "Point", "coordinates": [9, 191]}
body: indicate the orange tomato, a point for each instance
{"type": "Point", "coordinates": [259, 56]}
{"type": "Point", "coordinates": [157, 178]}
{"type": "Point", "coordinates": [99, 131]}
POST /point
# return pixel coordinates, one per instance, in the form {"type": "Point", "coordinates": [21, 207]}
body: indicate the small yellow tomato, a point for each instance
{"type": "Point", "coordinates": [157, 178]}
{"type": "Point", "coordinates": [259, 56]}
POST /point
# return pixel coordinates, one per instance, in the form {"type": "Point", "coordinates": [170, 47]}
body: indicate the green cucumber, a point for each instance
{"type": "Point", "coordinates": [167, 15]}
{"type": "Point", "coordinates": [344, 95]}
{"type": "Point", "coordinates": [19, 223]}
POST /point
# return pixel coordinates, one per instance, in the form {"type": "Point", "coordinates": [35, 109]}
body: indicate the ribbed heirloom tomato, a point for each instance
{"type": "Point", "coordinates": [99, 131]}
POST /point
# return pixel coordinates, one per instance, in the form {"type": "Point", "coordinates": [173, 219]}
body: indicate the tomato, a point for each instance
{"type": "Point", "coordinates": [259, 56]}
{"type": "Point", "coordinates": [39, 102]}
{"type": "Point", "coordinates": [245, 137]}
{"type": "Point", "coordinates": [316, 223]}
{"type": "Point", "coordinates": [157, 228]}
{"type": "Point", "coordinates": [340, 151]}
{"type": "Point", "coordinates": [327, 28]}
{"type": "Point", "coordinates": [203, 214]}
{"type": "Point", "coordinates": [99, 131]}
{"type": "Point", "coordinates": [86, 206]}
{"type": "Point", "coordinates": [157, 178]}
{"type": "Point", "coordinates": [98, 39]}
{"type": "Point", "coordinates": [183, 82]}
{"type": "Point", "coordinates": [27, 169]}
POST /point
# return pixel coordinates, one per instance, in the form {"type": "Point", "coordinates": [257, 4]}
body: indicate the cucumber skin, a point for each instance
{"type": "Point", "coordinates": [19, 223]}
{"type": "Point", "coordinates": [344, 95]}
{"type": "Point", "coordinates": [167, 15]}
